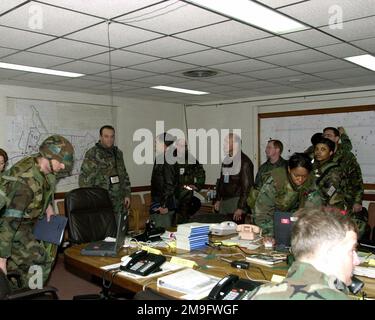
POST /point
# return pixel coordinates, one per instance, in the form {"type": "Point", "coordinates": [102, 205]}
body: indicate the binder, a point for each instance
{"type": "Point", "coordinates": [52, 231]}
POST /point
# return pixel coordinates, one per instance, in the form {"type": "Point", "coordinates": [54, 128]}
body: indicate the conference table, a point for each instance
{"type": "Point", "coordinates": [210, 260]}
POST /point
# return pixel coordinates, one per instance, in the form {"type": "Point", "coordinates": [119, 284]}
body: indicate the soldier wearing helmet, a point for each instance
{"type": "Point", "coordinates": [26, 194]}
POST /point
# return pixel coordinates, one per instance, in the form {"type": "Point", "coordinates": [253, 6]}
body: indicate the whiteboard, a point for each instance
{"type": "Point", "coordinates": [29, 122]}
{"type": "Point", "coordinates": [295, 133]}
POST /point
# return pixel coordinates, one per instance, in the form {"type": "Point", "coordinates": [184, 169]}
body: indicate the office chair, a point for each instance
{"type": "Point", "coordinates": [90, 215]}
{"type": "Point", "coordinates": [6, 293]}
{"type": "Point", "coordinates": [90, 218]}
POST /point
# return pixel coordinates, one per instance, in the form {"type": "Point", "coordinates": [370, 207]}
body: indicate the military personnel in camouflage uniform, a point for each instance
{"type": "Point", "coordinates": [352, 175]}
{"type": "Point", "coordinates": [191, 177]}
{"type": "Point", "coordinates": [323, 244]}
{"type": "Point", "coordinates": [26, 194]}
{"type": "Point", "coordinates": [3, 160]}
{"type": "Point", "coordinates": [274, 150]}
{"type": "Point", "coordinates": [104, 167]}
{"type": "Point", "coordinates": [328, 175]}
{"type": "Point", "coordinates": [286, 190]}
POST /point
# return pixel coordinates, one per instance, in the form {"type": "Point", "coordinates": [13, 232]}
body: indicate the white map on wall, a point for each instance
{"type": "Point", "coordinates": [29, 122]}
{"type": "Point", "coordinates": [295, 133]}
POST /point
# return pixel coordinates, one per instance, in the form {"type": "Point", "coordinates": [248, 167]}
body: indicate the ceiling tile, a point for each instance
{"type": "Point", "coordinates": [121, 58]}
{"type": "Point", "coordinates": [230, 79]}
{"type": "Point", "coordinates": [8, 74]}
{"type": "Point", "coordinates": [263, 47]}
{"type": "Point", "coordinates": [164, 66]}
{"type": "Point", "coordinates": [83, 67]}
{"type": "Point", "coordinates": [120, 35]}
{"type": "Point", "coordinates": [47, 19]}
{"type": "Point", "coordinates": [35, 59]}
{"type": "Point", "coordinates": [126, 74]}
{"type": "Point", "coordinates": [194, 84]}
{"type": "Point", "coordinates": [6, 51]}
{"type": "Point", "coordinates": [341, 50]}
{"type": "Point", "coordinates": [69, 49]}
{"type": "Point", "coordinates": [6, 5]}
{"type": "Point", "coordinates": [278, 90]}
{"type": "Point", "coordinates": [220, 89]}
{"type": "Point", "coordinates": [272, 73]}
{"type": "Point", "coordinates": [311, 38]}
{"type": "Point", "coordinates": [297, 79]}
{"type": "Point", "coordinates": [318, 85]}
{"type": "Point", "coordinates": [255, 84]}
{"type": "Point", "coordinates": [166, 47]}
{"type": "Point", "coordinates": [358, 81]}
{"type": "Point", "coordinates": [278, 3]}
{"type": "Point", "coordinates": [367, 44]}
{"type": "Point", "coordinates": [224, 33]}
{"type": "Point", "coordinates": [79, 83]}
{"type": "Point", "coordinates": [345, 73]}
{"type": "Point", "coordinates": [321, 66]}
{"type": "Point", "coordinates": [354, 30]}
{"type": "Point", "coordinates": [298, 57]}
{"type": "Point", "coordinates": [160, 80]}
{"type": "Point", "coordinates": [101, 8]}
{"type": "Point", "coordinates": [171, 17]}
{"type": "Point", "coordinates": [322, 12]}
{"type": "Point", "coordinates": [18, 39]}
{"type": "Point", "coordinates": [243, 66]}
{"type": "Point", "coordinates": [208, 57]}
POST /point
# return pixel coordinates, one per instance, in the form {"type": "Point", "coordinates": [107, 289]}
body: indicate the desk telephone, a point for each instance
{"type": "Point", "coordinates": [232, 287]}
{"type": "Point", "coordinates": [248, 231]}
{"type": "Point", "coordinates": [143, 263]}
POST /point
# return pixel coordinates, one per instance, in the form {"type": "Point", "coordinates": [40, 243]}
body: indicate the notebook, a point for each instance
{"type": "Point", "coordinates": [109, 249]}
{"type": "Point", "coordinates": [52, 231]}
{"type": "Point", "coordinates": [283, 223]}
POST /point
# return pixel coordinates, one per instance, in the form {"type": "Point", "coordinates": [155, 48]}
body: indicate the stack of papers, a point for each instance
{"type": "Point", "coordinates": [364, 271]}
{"type": "Point", "coordinates": [190, 236]}
{"type": "Point", "coordinates": [265, 260]}
{"type": "Point", "coordinates": [189, 281]}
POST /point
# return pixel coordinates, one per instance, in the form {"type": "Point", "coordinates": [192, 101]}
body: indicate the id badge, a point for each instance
{"type": "Point", "coordinates": [114, 179]}
{"type": "Point", "coordinates": [226, 178]}
{"type": "Point", "coordinates": [182, 171]}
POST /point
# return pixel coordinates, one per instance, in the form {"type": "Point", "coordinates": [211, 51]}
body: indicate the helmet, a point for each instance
{"type": "Point", "coordinates": [58, 148]}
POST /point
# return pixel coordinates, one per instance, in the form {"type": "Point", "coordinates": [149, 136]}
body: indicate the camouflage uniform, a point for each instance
{"type": "Point", "coordinates": [263, 174]}
{"type": "Point", "coordinates": [190, 172]}
{"type": "Point", "coordinates": [98, 166]}
{"type": "Point", "coordinates": [25, 193]}
{"type": "Point", "coordinates": [280, 194]}
{"type": "Point", "coordinates": [303, 282]}
{"type": "Point", "coordinates": [330, 184]}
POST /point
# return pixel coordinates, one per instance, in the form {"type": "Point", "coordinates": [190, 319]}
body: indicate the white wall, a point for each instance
{"type": "Point", "coordinates": [131, 115]}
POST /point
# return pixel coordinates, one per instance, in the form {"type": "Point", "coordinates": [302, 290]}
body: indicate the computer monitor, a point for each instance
{"type": "Point", "coordinates": [283, 223]}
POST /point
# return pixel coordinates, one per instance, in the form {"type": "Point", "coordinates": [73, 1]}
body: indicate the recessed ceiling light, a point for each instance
{"type": "Point", "coordinates": [365, 60]}
{"type": "Point", "coordinates": [179, 90]}
{"type": "Point", "coordinates": [40, 70]}
{"type": "Point", "coordinates": [200, 73]}
{"type": "Point", "coordinates": [252, 13]}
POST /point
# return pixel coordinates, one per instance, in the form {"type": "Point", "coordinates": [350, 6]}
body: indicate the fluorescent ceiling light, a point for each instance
{"type": "Point", "coordinates": [252, 13]}
{"type": "Point", "coordinates": [40, 70]}
{"type": "Point", "coordinates": [179, 90]}
{"type": "Point", "coordinates": [366, 60]}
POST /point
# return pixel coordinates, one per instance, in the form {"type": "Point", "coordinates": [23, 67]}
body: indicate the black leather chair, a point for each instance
{"type": "Point", "coordinates": [91, 218]}
{"type": "Point", "coordinates": [6, 293]}
{"type": "Point", "coordinates": [90, 215]}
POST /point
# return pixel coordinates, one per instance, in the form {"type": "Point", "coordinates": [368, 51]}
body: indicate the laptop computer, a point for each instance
{"type": "Point", "coordinates": [109, 249]}
{"type": "Point", "coordinates": [283, 223]}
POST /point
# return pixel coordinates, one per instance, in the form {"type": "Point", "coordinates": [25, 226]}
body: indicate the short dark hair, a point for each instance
{"type": "Point", "coordinates": [4, 155]}
{"type": "Point", "coordinates": [329, 143]}
{"type": "Point", "coordinates": [315, 227]}
{"type": "Point", "coordinates": [277, 144]}
{"type": "Point", "coordinates": [107, 126]}
{"type": "Point", "coordinates": [335, 130]}
{"type": "Point", "coordinates": [300, 160]}
{"type": "Point", "coordinates": [315, 137]}
{"type": "Point", "coordinates": [167, 138]}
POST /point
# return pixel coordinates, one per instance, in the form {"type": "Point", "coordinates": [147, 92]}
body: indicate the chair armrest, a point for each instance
{"type": "Point", "coordinates": [30, 294]}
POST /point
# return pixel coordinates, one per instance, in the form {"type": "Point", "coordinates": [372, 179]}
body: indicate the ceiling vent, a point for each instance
{"type": "Point", "coordinates": [200, 73]}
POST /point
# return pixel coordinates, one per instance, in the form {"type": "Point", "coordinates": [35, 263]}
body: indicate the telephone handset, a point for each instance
{"type": "Point", "coordinates": [248, 231]}
{"type": "Point", "coordinates": [143, 263]}
{"type": "Point", "coordinates": [232, 287]}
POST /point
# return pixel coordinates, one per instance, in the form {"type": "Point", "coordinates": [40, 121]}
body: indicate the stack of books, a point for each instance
{"type": "Point", "coordinates": [190, 236]}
